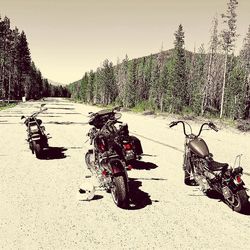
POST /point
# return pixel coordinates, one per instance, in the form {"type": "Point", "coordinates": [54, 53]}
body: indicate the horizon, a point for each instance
{"type": "Point", "coordinates": [68, 39]}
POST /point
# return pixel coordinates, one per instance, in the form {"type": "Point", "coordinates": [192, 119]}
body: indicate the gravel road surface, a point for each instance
{"type": "Point", "coordinates": [41, 208]}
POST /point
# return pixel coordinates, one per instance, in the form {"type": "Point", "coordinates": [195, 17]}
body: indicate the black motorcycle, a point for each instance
{"type": "Point", "coordinates": [37, 138]}
{"type": "Point", "coordinates": [113, 151]}
{"type": "Point", "coordinates": [200, 169]}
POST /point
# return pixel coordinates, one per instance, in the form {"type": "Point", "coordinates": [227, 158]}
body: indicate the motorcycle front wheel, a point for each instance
{"type": "Point", "coordinates": [238, 201]}
{"type": "Point", "coordinates": [37, 149]}
{"type": "Point", "coordinates": [119, 191]}
{"type": "Point", "coordinates": [188, 172]}
{"type": "Point", "coordinates": [88, 161]}
{"type": "Point", "coordinates": [31, 147]}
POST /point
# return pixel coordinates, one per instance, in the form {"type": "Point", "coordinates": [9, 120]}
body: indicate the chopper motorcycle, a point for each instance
{"type": "Point", "coordinates": [37, 138]}
{"type": "Point", "coordinates": [211, 175]}
{"type": "Point", "coordinates": [113, 151]}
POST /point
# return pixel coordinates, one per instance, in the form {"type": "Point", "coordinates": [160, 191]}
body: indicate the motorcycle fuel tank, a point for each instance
{"type": "Point", "coordinates": [199, 147]}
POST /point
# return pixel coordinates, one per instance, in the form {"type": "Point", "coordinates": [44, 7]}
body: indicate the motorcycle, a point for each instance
{"type": "Point", "coordinates": [113, 151]}
{"type": "Point", "coordinates": [201, 169]}
{"type": "Point", "coordinates": [37, 138]}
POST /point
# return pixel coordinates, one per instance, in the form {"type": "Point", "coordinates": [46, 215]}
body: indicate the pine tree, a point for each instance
{"type": "Point", "coordinates": [154, 85]}
{"type": "Point", "coordinates": [245, 65]}
{"type": "Point", "coordinates": [157, 90]}
{"type": "Point", "coordinates": [24, 64]}
{"type": "Point", "coordinates": [97, 86]}
{"type": "Point", "coordinates": [83, 88]}
{"type": "Point", "coordinates": [179, 72]}
{"type": "Point", "coordinates": [163, 85]}
{"type": "Point", "coordinates": [5, 44]}
{"type": "Point", "coordinates": [234, 93]}
{"type": "Point", "coordinates": [147, 76]}
{"type": "Point", "coordinates": [228, 38]}
{"type": "Point", "coordinates": [90, 87]}
{"type": "Point", "coordinates": [198, 80]}
{"type": "Point", "coordinates": [140, 90]}
{"type": "Point", "coordinates": [130, 87]}
{"type": "Point", "coordinates": [208, 90]}
{"type": "Point", "coordinates": [122, 80]}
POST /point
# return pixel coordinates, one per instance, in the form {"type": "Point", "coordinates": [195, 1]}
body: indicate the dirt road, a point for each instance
{"type": "Point", "coordinates": [40, 207]}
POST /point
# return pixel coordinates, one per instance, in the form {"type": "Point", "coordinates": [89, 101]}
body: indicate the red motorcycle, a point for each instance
{"type": "Point", "coordinates": [113, 150]}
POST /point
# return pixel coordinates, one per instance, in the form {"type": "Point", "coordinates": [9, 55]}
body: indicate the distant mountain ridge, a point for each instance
{"type": "Point", "coordinates": [55, 83]}
{"type": "Point", "coordinates": [166, 54]}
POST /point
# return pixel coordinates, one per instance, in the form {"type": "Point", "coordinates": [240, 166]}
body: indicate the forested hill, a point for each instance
{"type": "Point", "coordinates": [175, 81]}
{"type": "Point", "coordinates": [18, 74]}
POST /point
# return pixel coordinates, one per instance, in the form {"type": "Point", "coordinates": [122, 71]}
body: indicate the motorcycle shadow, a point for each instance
{"type": "Point", "coordinates": [52, 153]}
{"type": "Point", "coordinates": [138, 198]}
{"type": "Point", "coordinates": [247, 211]}
{"type": "Point", "coordinates": [95, 198]}
{"type": "Point", "coordinates": [217, 196]}
{"type": "Point", "coordinates": [142, 165]}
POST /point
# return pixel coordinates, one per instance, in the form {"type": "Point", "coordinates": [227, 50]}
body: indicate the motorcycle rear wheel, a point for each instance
{"type": "Point", "coordinates": [119, 191]}
{"type": "Point", "coordinates": [238, 201]}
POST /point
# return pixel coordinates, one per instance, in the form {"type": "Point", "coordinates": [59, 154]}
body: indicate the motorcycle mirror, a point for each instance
{"type": "Point", "coordinates": [22, 117]}
{"type": "Point", "coordinates": [117, 108]}
{"type": "Point", "coordinates": [43, 104]}
{"type": "Point", "coordinates": [117, 116]}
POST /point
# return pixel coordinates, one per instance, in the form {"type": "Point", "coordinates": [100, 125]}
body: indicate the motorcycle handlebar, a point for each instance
{"type": "Point", "coordinates": [174, 123]}
{"type": "Point", "coordinates": [213, 126]}
{"type": "Point", "coordinates": [118, 108]}
{"type": "Point", "coordinates": [210, 124]}
{"type": "Point", "coordinates": [38, 112]}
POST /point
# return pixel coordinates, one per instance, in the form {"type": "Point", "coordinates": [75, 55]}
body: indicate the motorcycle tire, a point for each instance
{"type": "Point", "coordinates": [239, 201]}
{"type": "Point", "coordinates": [37, 149]}
{"type": "Point", "coordinates": [119, 191]}
{"type": "Point", "coordinates": [31, 147]}
{"type": "Point", "coordinates": [187, 175]}
{"type": "Point", "coordinates": [87, 160]}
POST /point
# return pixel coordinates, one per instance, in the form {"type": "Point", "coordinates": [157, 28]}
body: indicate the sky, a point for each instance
{"type": "Point", "coordinates": [70, 37]}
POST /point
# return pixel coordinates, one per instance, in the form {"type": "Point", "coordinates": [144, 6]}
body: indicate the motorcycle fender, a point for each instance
{"type": "Point", "coordinates": [116, 167]}
{"type": "Point", "coordinates": [35, 139]}
{"type": "Point", "coordinates": [236, 187]}
{"type": "Point", "coordinates": [116, 170]}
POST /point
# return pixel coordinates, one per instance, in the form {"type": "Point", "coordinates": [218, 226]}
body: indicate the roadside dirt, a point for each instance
{"type": "Point", "coordinates": [40, 207]}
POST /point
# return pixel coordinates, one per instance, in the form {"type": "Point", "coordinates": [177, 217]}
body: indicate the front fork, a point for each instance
{"type": "Point", "coordinates": [186, 162]}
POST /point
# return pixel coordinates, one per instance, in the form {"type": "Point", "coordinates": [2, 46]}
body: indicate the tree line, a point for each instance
{"type": "Point", "coordinates": [18, 74]}
{"type": "Point", "coordinates": [202, 82]}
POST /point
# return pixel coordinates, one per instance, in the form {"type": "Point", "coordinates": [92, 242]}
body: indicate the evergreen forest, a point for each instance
{"type": "Point", "coordinates": [213, 82]}
{"type": "Point", "coordinates": [18, 74]}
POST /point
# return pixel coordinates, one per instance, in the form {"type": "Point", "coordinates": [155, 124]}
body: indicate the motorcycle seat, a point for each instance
{"type": "Point", "coordinates": [217, 166]}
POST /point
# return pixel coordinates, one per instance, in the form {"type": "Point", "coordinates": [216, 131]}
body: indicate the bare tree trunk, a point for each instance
{"type": "Point", "coordinates": [161, 102]}
{"type": "Point", "coordinates": [204, 94]}
{"type": "Point", "coordinates": [223, 86]}
{"type": "Point", "coordinates": [246, 110]}
{"type": "Point", "coordinates": [203, 101]}
{"type": "Point", "coordinates": [3, 80]}
{"type": "Point", "coordinates": [9, 87]}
